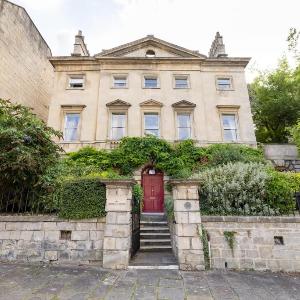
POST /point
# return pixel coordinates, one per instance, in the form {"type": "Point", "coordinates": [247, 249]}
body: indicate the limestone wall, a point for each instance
{"type": "Point", "coordinates": [49, 239]}
{"type": "Point", "coordinates": [26, 74]}
{"type": "Point", "coordinates": [283, 156]}
{"type": "Point", "coordinates": [258, 242]}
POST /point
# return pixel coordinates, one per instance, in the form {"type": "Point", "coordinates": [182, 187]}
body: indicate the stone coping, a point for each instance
{"type": "Point", "coordinates": [118, 181]}
{"type": "Point", "coordinates": [184, 181]}
{"type": "Point", "coordinates": [46, 218]}
{"type": "Point", "coordinates": [251, 219]}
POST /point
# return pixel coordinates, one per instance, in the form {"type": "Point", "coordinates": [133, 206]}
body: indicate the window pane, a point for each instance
{"type": "Point", "coordinates": [120, 81]}
{"type": "Point", "coordinates": [183, 120]}
{"type": "Point", "coordinates": [224, 83]}
{"type": "Point", "coordinates": [150, 82]}
{"type": "Point", "coordinates": [151, 121]}
{"type": "Point", "coordinates": [154, 132]}
{"type": "Point", "coordinates": [181, 83]}
{"type": "Point", "coordinates": [230, 135]}
{"type": "Point", "coordinates": [71, 127]}
{"type": "Point", "coordinates": [117, 133]}
{"type": "Point", "coordinates": [184, 133]}
{"type": "Point", "coordinates": [229, 121]}
{"type": "Point", "coordinates": [118, 120]}
{"type": "Point", "coordinates": [76, 82]}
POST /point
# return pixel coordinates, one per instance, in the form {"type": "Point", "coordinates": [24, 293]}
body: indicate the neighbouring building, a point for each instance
{"type": "Point", "coordinates": [26, 75]}
{"type": "Point", "coordinates": [150, 86]}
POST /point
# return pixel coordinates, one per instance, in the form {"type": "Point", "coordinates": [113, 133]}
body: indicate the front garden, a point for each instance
{"type": "Point", "coordinates": [35, 177]}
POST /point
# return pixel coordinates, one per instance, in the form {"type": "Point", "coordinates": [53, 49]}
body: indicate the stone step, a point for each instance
{"type": "Point", "coordinates": [153, 217]}
{"type": "Point", "coordinates": [150, 235]}
{"type": "Point", "coordinates": [154, 230]}
{"type": "Point", "coordinates": [155, 242]}
{"type": "Point", "coordinates": [153, 223]}
{"type": "Point", "coordinates": [156, 248]}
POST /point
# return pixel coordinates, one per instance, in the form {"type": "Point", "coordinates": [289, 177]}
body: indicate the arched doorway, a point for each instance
{"type": "Point", "coordinates": [153, 186]}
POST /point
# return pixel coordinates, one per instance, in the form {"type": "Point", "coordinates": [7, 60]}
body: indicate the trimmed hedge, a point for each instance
{"type": "Point", "coordinates": [82, 198]}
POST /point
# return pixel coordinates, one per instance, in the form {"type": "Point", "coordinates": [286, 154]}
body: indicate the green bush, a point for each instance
{"type": "Point", "coordinates": [280, 190]}
{"type": "Point", "coordinates": [221, 154]}
{"type": "Point", "coordinates": [82, 198]}
{"type": "Point", "coordinates": [138, 196]}
{"type": "Point", "coordinates": [169, 207]}
{"type": "Point", "coordinates": [246, 189]}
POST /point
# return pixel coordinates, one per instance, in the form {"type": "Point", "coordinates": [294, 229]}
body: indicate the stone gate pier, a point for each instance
{"type": "Point", "coordinates": [117, 230]}
{"type": "Point", "coordinates": [188, 243]}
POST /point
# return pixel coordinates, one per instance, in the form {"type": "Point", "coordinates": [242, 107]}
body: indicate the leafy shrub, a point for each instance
{"type": "Point", "coordinates": [280, 190]}
{"type": "Point", "coordinates": [138, 196]}
{"type": "Point", "coordinates": [232, 189]}
{"type": "Point", "coordinates": [82, 198]}
{"type": "Point", "coordinates": [247, 189]}
{"type": "Point", "coordinates": [27, 151]}
{"type": "Point", "coordinates": [221, 154]}
{"type": "Point", "coordinates": [169, 207]}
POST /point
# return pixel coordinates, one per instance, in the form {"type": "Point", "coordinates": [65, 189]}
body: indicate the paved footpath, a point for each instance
{"type": "Point", "coordinates": [34, 282]}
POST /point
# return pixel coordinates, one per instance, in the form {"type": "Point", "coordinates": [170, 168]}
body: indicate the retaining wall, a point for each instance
{"type": "Point", "coordinates": [50, 239]}
{"type": "Point", "coordinates": [260, 243]}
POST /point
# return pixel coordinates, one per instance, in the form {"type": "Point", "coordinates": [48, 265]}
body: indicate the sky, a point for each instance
{"type": "Point", "coordinates": [256, 28]}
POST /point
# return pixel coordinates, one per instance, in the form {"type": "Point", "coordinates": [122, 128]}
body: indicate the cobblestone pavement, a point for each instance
{"type": "Point", "coordinates": [20, 281]}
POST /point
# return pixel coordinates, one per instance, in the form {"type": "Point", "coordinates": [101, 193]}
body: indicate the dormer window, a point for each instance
{"type": "Point", "coordinates": [150, 53]}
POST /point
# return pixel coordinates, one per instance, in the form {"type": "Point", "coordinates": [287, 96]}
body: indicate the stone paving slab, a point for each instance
{"type": "Point", "coordinates": [43, 282]}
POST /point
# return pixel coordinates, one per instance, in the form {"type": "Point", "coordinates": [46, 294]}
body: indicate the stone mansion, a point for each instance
{"type": "Point", "coordinates": [150, 86]}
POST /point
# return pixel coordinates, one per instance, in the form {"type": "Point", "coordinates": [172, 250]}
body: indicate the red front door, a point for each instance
{"type": "Point", "coordinates": [153, 186]}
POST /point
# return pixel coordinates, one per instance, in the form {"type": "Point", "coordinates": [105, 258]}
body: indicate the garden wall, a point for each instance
{"type": "Point", "coordinates": [50, 239]}
{"type": "Point", "coordinates": [260, 243]}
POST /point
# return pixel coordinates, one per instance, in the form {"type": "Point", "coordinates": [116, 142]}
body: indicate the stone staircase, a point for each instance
{"type": "Point", "coordinates": [154, 233]}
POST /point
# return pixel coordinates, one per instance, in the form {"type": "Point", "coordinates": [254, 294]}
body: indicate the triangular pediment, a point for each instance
{"type": "Point", "coordinates": [151, 102]}
{"type": "Point", "coordinates": [140, 47]}
{"type": "Point", "coordinates": [184, 104]}
{"type": "Point", "coordinates": [118, 103]}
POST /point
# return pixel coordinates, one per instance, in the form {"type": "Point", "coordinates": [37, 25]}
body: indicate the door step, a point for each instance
{"type": "Point", "coordinates": [141, 267]}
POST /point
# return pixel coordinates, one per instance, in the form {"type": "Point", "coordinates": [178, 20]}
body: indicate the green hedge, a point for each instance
{"type": "Point", "coordinates": [82, 198]}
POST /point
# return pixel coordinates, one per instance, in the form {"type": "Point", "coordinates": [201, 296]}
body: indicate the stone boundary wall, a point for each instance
{"type": "Point", "coordinates": [50, 239]}
{"type": "Point", "coordinates": [261, 243]}
{"type": "Point", "coordinates": [283, 156]}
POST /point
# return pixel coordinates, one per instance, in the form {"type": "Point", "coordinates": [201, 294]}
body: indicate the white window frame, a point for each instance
{"type": "Point", "coordinates": [75, 76]}
{"type": "Point", "coordinates": [144, 121]}
{"type": "Point", "coordinates": [111, 124]}
{"type": "Point", "coordinates": [114, 76]}
{"type": "Point", "coordinates": [181, 76]}
{"type": "Point", "coordinates": [178, 113]}
{"type": "Point", "coordinates": [151, 76]}
{"type": "Point", "coordinates": [231, 113]}
{"type": "Point", "coordinates": [220, 77]}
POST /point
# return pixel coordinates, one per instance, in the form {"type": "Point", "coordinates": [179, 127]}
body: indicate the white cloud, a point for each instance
{"type": "Point", "coordinates": [250, 28]}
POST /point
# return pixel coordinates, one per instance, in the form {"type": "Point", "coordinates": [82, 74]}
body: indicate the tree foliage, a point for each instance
{"type": "Point", "coordinates": [275, 103]}
{"type": "Point", "coordinates": [26, 148]}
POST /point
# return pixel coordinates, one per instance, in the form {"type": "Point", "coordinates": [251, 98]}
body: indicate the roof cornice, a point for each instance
{"type": "Point", "coordinates": [83, 60]}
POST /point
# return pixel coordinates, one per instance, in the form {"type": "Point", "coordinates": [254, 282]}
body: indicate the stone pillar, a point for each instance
{"type": "Point", "coordinates": [188, 224]}
{"type": "Point", "coordinates": [117, 230]}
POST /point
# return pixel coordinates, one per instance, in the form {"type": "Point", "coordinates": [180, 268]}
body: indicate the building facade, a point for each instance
{"type": "Point", "coordinates": [150, 86]}
{"type": "Point", "coordinates": [26, 74]}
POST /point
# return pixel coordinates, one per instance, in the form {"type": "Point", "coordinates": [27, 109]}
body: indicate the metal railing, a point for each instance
{"type": "Point", "coordinates": [26, 202]}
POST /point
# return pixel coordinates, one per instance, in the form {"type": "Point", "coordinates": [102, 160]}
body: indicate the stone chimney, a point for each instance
{"type": "Point", "coordinates": [80, 48]}
{"type": "Point", "coordinates": [217, 48]}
